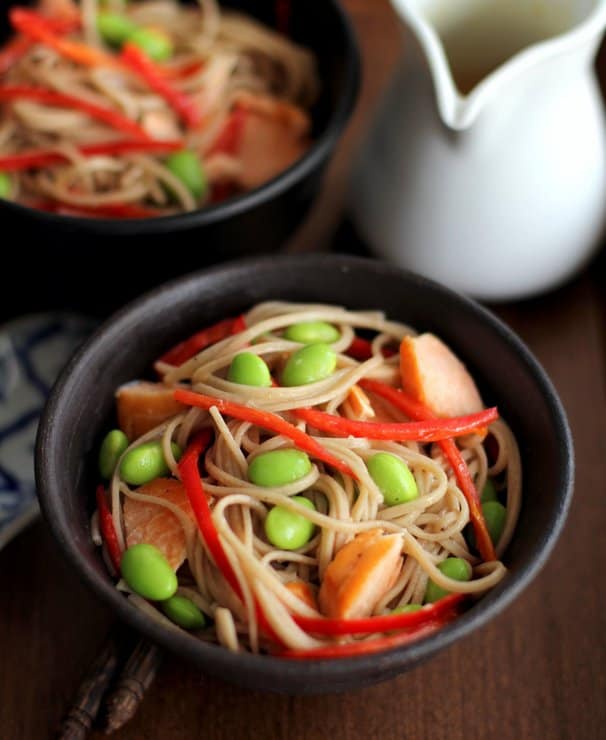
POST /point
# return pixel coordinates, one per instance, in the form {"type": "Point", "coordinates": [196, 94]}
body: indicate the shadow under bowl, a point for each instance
{"type": "Point", "coordinates": [131, 255]}
{"type": "Point", "coordinates": [125, 347]}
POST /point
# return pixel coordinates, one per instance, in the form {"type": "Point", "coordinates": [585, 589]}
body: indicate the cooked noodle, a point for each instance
{"type": "Point", "coordinates": [431, 526]}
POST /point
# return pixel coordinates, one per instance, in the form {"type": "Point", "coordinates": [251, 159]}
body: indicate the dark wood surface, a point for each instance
{"type": "Point", "coordinates": [538, 671]}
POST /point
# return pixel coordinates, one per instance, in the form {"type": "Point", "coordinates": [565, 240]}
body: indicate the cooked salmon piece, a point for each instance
{"type": "Point", "coordinates": [304, 592]}
{"type": "Point", "coordinates": [274, 136]}
{"type": "Point", "coordinates": [141, 406]}
{"type": "Point", "coordinates": [434, 375]}
{"type": "Point", "coordinates": [154, 525]}
{"type": "Point", "coordinates": [360, 574]}
{"type": "Point", "coordinates": [360, 403]}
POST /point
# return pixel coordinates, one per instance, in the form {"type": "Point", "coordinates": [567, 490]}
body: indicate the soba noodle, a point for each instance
{"type": "Point", "coordinates": [251, 87]}
{"type": "Point", "coordinates": [432, 527]}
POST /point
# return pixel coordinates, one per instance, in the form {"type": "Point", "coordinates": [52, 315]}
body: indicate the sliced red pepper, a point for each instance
{"type": "Point", "coordinates": [136, 60]}
{"type": "Point", "coordinates": [230, 136]}
{"type": "Point", "coordinates": [18, 46]}
{"type": "Point", "coordinates": [190, 477]}
{"type": "Point", "coordinates": [187, 349]}
{"type": "Point", "coordinates": [266, 420]}
{"type": "Point", "coordinates": [37, 27]}
{"type": "Point", "coordinates": [382, 623]}
{"type": "Point", "coordinates": [39, 158]}
{"type": "Point", "coordinates": [367, 647]}
{"type": "Point", "coordinates": [50, 97]}
{"type": "Point", "coordinates": [432, 430]}
{"type": "Point", "coordinates": [416, 410]}
{"type": "Point", "coordinates": [109, 210]}
{"type": "Point", "coordinates": [108, 531]}
{"type": "Point", "coordinates": [361, 349]}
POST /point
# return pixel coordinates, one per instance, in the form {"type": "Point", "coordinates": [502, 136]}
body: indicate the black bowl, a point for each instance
{"type": "Point", "coordinates": [81, 407]}
{"type": "Point", "coordinates": [127, 256]}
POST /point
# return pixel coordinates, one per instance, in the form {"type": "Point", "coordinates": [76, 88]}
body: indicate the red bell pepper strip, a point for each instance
{"type": "Point", "coordinates": [190, 477]}
{"type": "Point", "coordinates": [230, 136]}
{"type": "Point", "coordinates": [38, 158]}
{"type": "Point", "coordinates": [416, 410]}
{"type": "Point", "coordinates": [185, 350]}
{"type": "Point", "coordinates": [266, 420]}
{"type": "Point", "coordinates": [108, 531]}
{"type": "Point", "coordinates": [366, 647]}
{"type": "Point", "coordinates": [36, 27]}
{"type": "Point", "coordinates": [361, 349]}
{"type": "Point", "coordinates": [382, 623]}
{"type": "Point", "coordinates": [50, 97]}
{"type": "Point", "coordinates": [136, 60]}
{"type": "Point", "coordinates": [18, 46]}
{"type": "Point", "coordinates": [432, 430]}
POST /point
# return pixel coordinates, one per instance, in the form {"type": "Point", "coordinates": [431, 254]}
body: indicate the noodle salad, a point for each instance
{"type": "Point", "coordinates": [143, 109]}
{"type": "Point", "coordinates": [307, 481]}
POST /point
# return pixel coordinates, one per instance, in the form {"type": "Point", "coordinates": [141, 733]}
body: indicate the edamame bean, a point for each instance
{"type": "Point", "coordinates": [393, 478]}
{"type": "Point", "coordinates": [278, 467]}
{"type": "Point", "coordinates": [6, 185]}
{"type": "Point", "coordinates": [114, 28]}
{"type": "Point", "coordinates": [407, 609]}
{"type": "Point", "coordinates": [489, 492]}
{"type": "Point", "coordinates": [287, 530]}
{"type": "Point", "coordinates": [187, 167]}
{"type": "Point", "coordinates": [148, 573]}
{"type": "Point", "coordinates": [183, 611]}
{"type": "Point", "coordinates": [249, 369]}
{"type": "Point", "coordinates": [495, 515]}
{"type": "Point", "coordinates": [114, 444]}
{"type": "Point", "coordinates": [146, 462]}
{"type": "Point", "coordinates": [312, 332]}
{"type": "Point", "coordinates": [156, 44]}
{"type": "Point", "coordinates": [309, 364]}
{"type": "Point", "coordinates": [455, 568]}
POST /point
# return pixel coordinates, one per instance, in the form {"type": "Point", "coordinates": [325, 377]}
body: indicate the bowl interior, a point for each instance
{"type": "Point", "coordinates": [124, 348]}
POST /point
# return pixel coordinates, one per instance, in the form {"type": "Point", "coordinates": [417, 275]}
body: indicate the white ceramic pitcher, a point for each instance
{"type": "Point", "coordinates": [486, 167]}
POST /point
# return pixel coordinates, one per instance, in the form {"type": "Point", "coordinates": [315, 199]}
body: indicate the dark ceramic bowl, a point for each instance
{"type": "Point", "coordinates": [128, 253]}
{"type": "Point", "coordinates": [125, 346]}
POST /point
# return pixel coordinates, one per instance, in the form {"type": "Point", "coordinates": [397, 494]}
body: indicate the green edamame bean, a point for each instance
{"type": "Point", "coordinates": [154, 43]}
{"type": "Point", "coordinates": [146, 462]}
{"type": "Point", "coordinates": [112, 447]}
{"type": "Point", "coordinates": [309, 364]}
{"type": "Point", "coordinates": [6, 185]}
{"type": "Point", "coordinates": [183, 611]}
{"type": "Point", "coordinates": [393, 478]}
{"type": "Point", "coordinates": [495, 515]}
{"type": "Point", "coordinates": [287, 530]}
{"type": "Point", "coordinates": [187, 167]}
{"type": "Point", "coordinates": [249, 369]}
{"type": "Point", "coordinates": [455, 568]}
{"type": "Point", "coordinates": [148, 573]}
{"type": "Point", "coordinates": [489, 492]}
{"type": "Point", "coordinates": [312, 332]}
{"type": "Point", "coordinates": [278, 467]}
{"type": "Point", "coordinates": [407, 609]}
{"type": "Point", "coordinates": [115, 29]}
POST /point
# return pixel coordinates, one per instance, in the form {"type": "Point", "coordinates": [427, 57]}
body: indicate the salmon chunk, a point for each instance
{"type": "Point", "coordinates": [274, 137]}
{"type": "Point", "coordinates": [154, 525]}
{"type": "Point", "coordinates": [435, 376]}
{"type": "Point", "coordinates": [141, 406]}
{"type": "Point", "coordinates": [361, 573]}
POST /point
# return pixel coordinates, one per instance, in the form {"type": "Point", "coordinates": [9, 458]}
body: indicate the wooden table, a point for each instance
{"type": "Point", "coordinates": [538, 671]}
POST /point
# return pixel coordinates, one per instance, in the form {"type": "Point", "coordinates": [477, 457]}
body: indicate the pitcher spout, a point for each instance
{"type": "Point", "coordinates": [473, 47]}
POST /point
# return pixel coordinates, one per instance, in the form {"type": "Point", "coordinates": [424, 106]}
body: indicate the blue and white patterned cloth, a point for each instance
{"type": "Point", "coordinates": [33, 350]}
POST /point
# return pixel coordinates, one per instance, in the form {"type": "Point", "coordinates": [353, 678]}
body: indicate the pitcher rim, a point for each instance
{"type": "Point", "coordinates": [459, 111]}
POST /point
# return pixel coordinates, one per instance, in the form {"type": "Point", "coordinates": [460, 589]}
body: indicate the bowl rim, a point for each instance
{"type": "Point", "coordinates": [313, 158]}
{"type": "Point", "coordinates": [270, 667]}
